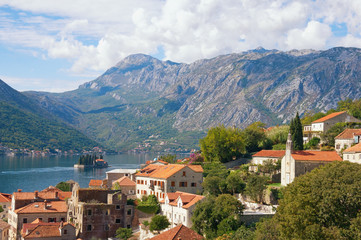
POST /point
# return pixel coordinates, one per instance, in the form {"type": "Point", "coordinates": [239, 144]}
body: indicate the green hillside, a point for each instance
{"type": "Point", "coordinates": [21, 129]}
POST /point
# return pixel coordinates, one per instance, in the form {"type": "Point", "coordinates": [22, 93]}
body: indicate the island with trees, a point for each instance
{"type": "Point", "coordinates": [91, 161]}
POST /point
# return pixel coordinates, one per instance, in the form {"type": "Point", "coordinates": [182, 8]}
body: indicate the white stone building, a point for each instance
{"type": "Point", "coordinates": [159, 180]}
{"type": "Point", "coordinates": [346, 139]}
{"type": "Point", "coordinates": [178, 207]}
{"type": "Point", "coordinates": [353, 154]}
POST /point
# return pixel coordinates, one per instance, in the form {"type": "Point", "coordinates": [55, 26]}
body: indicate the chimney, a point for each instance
{"type": "Point", "coordinates": [19, 190]}
{"type": "Point", "coordinates": [36, 194]}
{"type": "Point", "coordinates": [45, 204]}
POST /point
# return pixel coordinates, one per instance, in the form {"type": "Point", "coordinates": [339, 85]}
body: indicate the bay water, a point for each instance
{"type": "Point", "coordinates": [37, 173]}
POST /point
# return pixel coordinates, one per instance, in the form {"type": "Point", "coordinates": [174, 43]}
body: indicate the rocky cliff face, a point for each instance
{"type": "Point", "coordinates": [234, 90]}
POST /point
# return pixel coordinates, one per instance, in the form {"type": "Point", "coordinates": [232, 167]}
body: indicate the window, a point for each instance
{"type": "Point", "coordinates": [51, 219]}
{"type": "Point", "coordinates": [4, 206]}
{"type": "Point", "coordinates": [65, 231]}
{"type": "Point", "coordinates": [107, 212]}
{"type": "Point", "coordinates": [172, 184]}
{"type": "Point", "coordinates": [129, 212]}
{"type": "Point", "coordinates": [89, 212]}
{"type": "Point", "coordinates": [117, 220]}
{"type": "Point", "coordinates": [89, 227]}
{"type": "Point", "coordinates": [117, 207]}
{"type": "Point", "coordinates": [62, 219]}
{"type": "Point", "coordinates": [193, 184]}
{"type": "Point", "coordinates": [138, 181]}
{"type": "Point", "coordinates": [183, 184]}
{"type": "Point", "coordinates": [184, 174]}
{"type": "Point", "coordinates": [25, 220]}
{"type": "Point", "coordinates": [338, 146]}
{"type": "Point", "coordinates": [138, 191]}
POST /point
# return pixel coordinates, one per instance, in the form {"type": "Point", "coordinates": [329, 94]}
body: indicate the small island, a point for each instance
{"type": "Point", "coordinates": [91, 161]}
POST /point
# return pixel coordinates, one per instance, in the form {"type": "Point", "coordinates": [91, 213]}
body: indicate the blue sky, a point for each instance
{"type": "Point", "coordinates": [58, 45]}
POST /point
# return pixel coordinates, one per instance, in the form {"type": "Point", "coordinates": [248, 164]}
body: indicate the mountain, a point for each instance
{"type": "Point", "coordinates": [162, 104]}
{"type": "Point", "coordinates": [25, 124]}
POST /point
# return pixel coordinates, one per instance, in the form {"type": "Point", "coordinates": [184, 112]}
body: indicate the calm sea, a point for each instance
{"type": "Point", "coordinates": [37, 173]}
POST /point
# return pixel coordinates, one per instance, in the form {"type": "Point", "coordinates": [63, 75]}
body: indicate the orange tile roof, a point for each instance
{"type": "Point", "coordinates": [165, 171]}
{"type": "Point", "coordinates": [64, 195]}
{"type": "Point", "coordinates": [48, 193]}
{"type": "Point", "coordinates": [349, 133]}
{"type": "Point", "coordinates": [39, 207]}
{"type": "Point", "coordinates": [5, 197]}
{"type": "Point", "coordinates": [270, 153]}
{"type": "Point", "coordinates": [188, 199]}
{"type": "Point", "coordinates": [196, 168]}
{"type": "Point", "coordinates": [328, 117]}
{"type": "Point", "coordinates": [43, 231]}
{"type": "Point", "coordinates": [96, 183]}
{"type": "Point", "coordinates": [354, 149]}
{"type": "Point", "coordinates": [125, 181]}
{"type": "Point", "coordinates": [179, 232]}
{"type": "Point", "coordinates": [324, 156]}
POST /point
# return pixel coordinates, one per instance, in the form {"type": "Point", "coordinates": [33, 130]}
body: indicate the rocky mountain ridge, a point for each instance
{"type": "Point", "coordinates": [234, 90]}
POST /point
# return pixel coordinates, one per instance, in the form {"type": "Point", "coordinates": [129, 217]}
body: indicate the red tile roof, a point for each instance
{"type": "Point", "coordinates": [95, 183]}
{"type": "Point", "coordinates": [165, 171]}
{"type": "Point", "coordinates": [42, 230]}
{"type": "Point", "coordinates": [328, 117]}
{"type": "Point", "coordinates": [39, 207]}
{"type": "Point", "coordinates": [270, 153]}
{"type": "Point", "coordinates": [47, 193]}
{"type": "Point", "coordinates": [349, 133]}
{"type": "Point", "coordinates": [125, 181]}
{"type": "Point", "coordinates": [188, 199]}
{"type": "Point", "coordinates": [354, 149]}
{"type": "Point", "coordinates": [324, 156]}
{"type": "Point", "coordinates": [179, 232]}
{"type": "Point", "coordinates": [4, 197]}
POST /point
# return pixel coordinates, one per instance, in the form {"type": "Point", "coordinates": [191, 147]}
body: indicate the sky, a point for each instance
{"type": "Point", "coordinates": [54, 46]}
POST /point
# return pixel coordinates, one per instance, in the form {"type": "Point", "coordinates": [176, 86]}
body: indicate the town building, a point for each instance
{"type": "Point", "coordinates": [98, 213]}
{"type": "Point", "coordinates": [264, 155]}
{"type": "Point", "coordinates": [115, 174]}
{"type": "Point", "coordinates": [126, 185]}
{"type": "Point", "coordinates": [323, 124]}
{"type": "Point", "coordinates": [178, 207]}
{"type": "Point", "coordinates": [179, 232]}
{"type": "Point", "coordinates": [53, 230]}
{"type": "Point", "coordinates": [47, 205]}
{"type": "Point", "coordinates": [346, 139]}
{"type": "Point", "coordinates": [159, 180]}
{"type": "Point", "coordinates": [5, 203]}
{"type": "Point", "coordinates": [296, 163]}
{"type": "Point", "coordinates": [4, 230]}
{"type": "Point", "coordinates": [353, 154]}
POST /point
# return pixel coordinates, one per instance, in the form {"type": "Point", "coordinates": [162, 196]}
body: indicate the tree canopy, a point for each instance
{"type": "Point", "coordinates": [222, 144]}
{"type": "Point", "coordinates": [124, 233]}
{"type": "Point", "coordinates": [158, 223]}
{"type": "Point", "coordinates": [297, 133]}
{"type": "Point", "coordinates": [322, 204]}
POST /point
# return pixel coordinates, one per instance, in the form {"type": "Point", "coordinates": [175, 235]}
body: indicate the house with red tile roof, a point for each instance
{"type": "Point", "coordinates": [4, 230]}
{"type": "Point", "coordinates": [296, 163]}
{"type": "Point", "coordinates": [323, 124]}
{"type": "Point", "coordinates": [347, 138]}
{"type": "Point", "coordinates": [161, 179]}
{"type": "Point", "coordinates": [178, 207]}
{"type": "Point", "coordinates": [47, 204]}
{"type": "Point", "coordinates": [353, 154]}
{"type": "Point", "coordinates": [5, 203]}
{"type": "Point", "coordinates": [263, 155]}
{"type": "Point", "coordinates": [126, 185]}
{"type": "Point", "coordinates": [179, 232]}
{"type": "Point", "coordinates": [42, 230]}
{"type": "Point", "coordinates": [98, 183]}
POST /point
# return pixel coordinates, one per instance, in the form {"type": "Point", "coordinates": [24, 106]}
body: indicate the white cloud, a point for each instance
{"type": "Point", "coordinates": [94, 35]}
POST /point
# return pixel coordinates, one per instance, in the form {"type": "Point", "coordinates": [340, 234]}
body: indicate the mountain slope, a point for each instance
{"type": "Point", "coordinates": [24, 124]}
{"type": "Point", "coordinates": [142, 97]}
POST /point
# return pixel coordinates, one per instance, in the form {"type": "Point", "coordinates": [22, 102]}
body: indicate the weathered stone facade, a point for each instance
{"type": "Point", "coordinates": [98, 212]}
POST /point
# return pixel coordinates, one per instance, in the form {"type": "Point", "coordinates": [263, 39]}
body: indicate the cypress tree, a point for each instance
{"type": "Point", "coordinates": [297, 133]}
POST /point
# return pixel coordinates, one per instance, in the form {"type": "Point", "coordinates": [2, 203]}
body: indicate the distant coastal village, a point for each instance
{"type": "Point", "coordinates": [256, 183]}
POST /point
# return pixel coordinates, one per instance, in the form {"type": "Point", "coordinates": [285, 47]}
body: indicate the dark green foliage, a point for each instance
{"type": "Point", "coordinates": [297, 133]}
{"type": "Point", "coordinates": [222, 144]}
{"type": "Point", "coordinates": [88, 159]}
{"type": "Point", "coordinates": [267, 229]}
{"type": "Point", "coordinates": [322, 204]}
{"type": "Point", "coordinates": [279, 146]}
{"type": "Point", "coordinates": [270, 167]}
{"type": "Point", "coordinates": [158, 223]}
{"type": "Point", "coordinates": [255, 186]}
{"type": "Point", "coordinates": [215, 169]}
{"type": "Point", "coordinates": [235, 183]}
{"type": "Point", "coordinates": [277, 193]}
{"type": "Point", "coordinates": [124, 233]}
{"type": "Point", "coordinates": [213, 185]}
{"type": "Point", "coordinates": [170, 158]}
{"type": "Point", "coordinates": [254, 137]}
{"type": "Point", "coordinates": [148, 204]}
{"type": "Point", "coordinates": [329, 136]}
{"type": "Point", "coordinates": [313, 143]}
{"type": "Point", "coordinates": [20, 129]}
{"type": "Point", "coordinates": [130, 201]}
{"type": "Point", "coordinates": [217, 215]}
{"type": "Point", "coordinates": [64, 186]}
